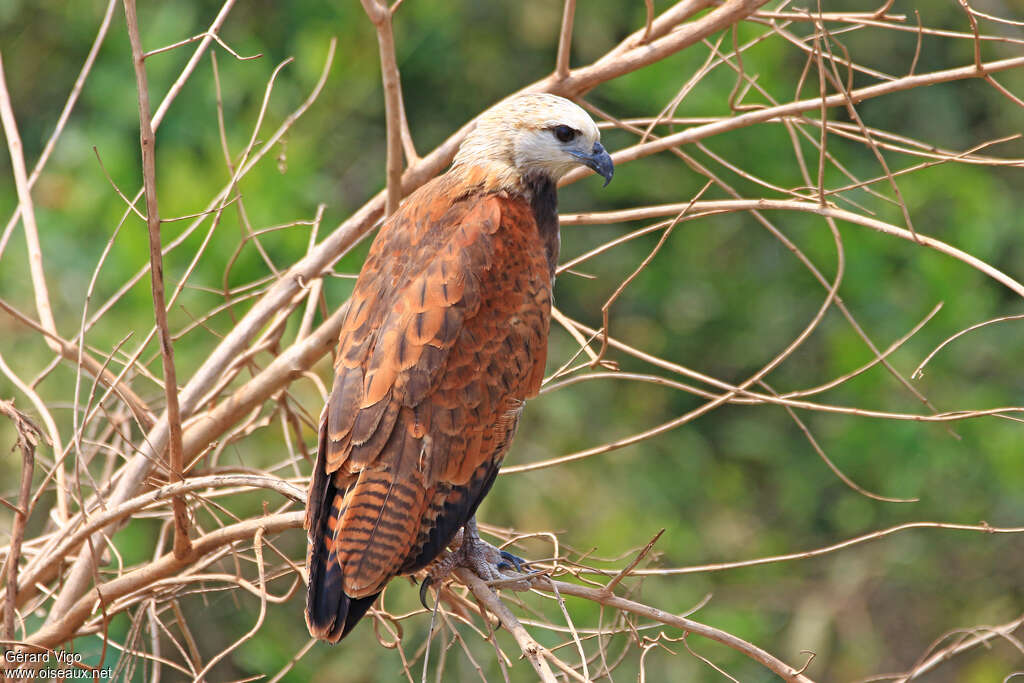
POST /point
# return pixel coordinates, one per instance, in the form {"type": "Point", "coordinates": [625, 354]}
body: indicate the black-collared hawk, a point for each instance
{"type": "Point", "coordinates": [444, 339]}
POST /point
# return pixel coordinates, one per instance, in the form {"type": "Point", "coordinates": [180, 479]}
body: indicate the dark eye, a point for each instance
{"type": "Point", "coordinates": [564, 133]}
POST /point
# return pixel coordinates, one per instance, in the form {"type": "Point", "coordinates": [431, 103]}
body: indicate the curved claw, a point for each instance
{"type": "Point", "coordinates": [423, 593]}
{"type": "Point", "coordinates": [512, 562]}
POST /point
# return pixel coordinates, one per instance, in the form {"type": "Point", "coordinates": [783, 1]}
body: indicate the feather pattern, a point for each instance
{"type": "Point", "coordinates": [444, 339]}
{"type": "Point", "coordinates": [436, 353]}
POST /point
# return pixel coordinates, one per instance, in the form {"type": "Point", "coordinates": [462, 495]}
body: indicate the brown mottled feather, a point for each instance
{"type": "Point", "coordinates": [446, 336]}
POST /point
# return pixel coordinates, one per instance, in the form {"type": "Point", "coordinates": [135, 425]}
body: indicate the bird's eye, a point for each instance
{"type": "Point", "coordinates": [564, 133]}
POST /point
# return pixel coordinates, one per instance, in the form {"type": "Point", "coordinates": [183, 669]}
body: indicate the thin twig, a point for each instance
{"type": "Point", "coordinates": [73, 353]}
{"type": "Point", "coordinates": [711, 206]}
{"type": "Point", "coordinates": [980, 636]}
{"type": "Point", "coordinates": [606, 307]}
{"type": "Point", "coordinates": [380, 15]}
{"type": "Point", "coordinates": [258, 547]}
{"type": "Point", "coordinates": [156, 266]}
{"type": "Point", "coordinates": [193, 62]}
{"type": "Point", "coordinates": [28, 436]}
{"type": "Point", "coordinates": [35, 253]}
{"type": "Point", "coordinates": [919, 370]}
{"type": "Point", "coordinates": [565, 40]}
{"type": "Point", "coordinates": [65, 114]}
{"type": "Point", "coordinates": [826, 550]}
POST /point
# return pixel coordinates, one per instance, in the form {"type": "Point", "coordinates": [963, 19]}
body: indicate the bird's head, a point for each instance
{"type": "Point", "coordinates": [535, 134]}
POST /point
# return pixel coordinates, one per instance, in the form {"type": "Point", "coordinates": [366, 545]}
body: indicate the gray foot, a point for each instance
{"type": "Point", "coordinates": [480, 557]}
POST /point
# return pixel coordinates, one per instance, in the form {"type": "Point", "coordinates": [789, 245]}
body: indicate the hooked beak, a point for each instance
{"type": "Point", "coordinates": [600, 161]}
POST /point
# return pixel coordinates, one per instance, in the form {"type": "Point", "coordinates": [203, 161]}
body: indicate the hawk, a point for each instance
{"type": "Point", "coordinates": [444, 339]}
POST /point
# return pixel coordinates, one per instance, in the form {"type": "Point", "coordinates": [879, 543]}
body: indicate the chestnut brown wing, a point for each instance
{"type": "Point", "coordinates": [446, 336]}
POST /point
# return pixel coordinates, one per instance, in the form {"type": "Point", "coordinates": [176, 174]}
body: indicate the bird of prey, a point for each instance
{"type": "Point", "coordinates": [444, 339]}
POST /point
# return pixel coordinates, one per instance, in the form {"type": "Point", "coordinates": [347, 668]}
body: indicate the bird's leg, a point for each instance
{"type": "Point", "coordinates": [486, 561]}
{"type": "Point", "coordinates": [480, 557]}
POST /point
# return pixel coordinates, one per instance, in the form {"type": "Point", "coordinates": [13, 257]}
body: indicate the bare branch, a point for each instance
{"type": "Point", "coordinates": [28, 437]}
{"type": "Point", "coordinates": [702, 208]}
{"type": "Point", "coordinates": [565, 40]}
{"type": "Point", "coordinates": [71, 352]}
{"type": "Point", "coordinates": [598, 595]}
{"type": "Point", "coordinates": [534, 652]}
{"type": "Point", "coordinates": [918, 371]}
{"type": "Point", "coordinates": [139, 467]}
{"type": "Point", "coordinates": [969, 640]}
{"type": "Point", "coordinates": [380, 15]}
{"type": "Point", "coordinates": [35, 253]}
{"type": "Point", "coordinates": [65, 114]}
{"type": "Point", "coordinates": [148, 143]}
{"type": "Point", "coordinates": [818, 552]}
{"type": "Point", "coordinates": [64, 627]}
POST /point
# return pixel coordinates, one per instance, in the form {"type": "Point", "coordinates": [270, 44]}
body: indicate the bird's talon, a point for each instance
{"type": "Point", "coordinates": [512, 561]}
{"type": "Point", "coordinates": [424, 587]}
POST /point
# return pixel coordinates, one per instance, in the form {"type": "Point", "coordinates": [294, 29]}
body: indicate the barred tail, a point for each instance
{"type": "Point", "coordinates": [379, 525]}
{"type": "Point", "coordinates": [330, 613]}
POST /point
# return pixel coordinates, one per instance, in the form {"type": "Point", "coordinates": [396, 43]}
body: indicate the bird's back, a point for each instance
{"type": "Point", "coordinates": [445, 337]}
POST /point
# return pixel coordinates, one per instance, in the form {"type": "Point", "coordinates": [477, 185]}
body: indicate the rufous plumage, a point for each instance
{"type": "Point", "coordinates": [444, 340]}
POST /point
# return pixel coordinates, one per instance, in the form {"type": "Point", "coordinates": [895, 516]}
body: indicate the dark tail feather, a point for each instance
{"type": "Point", "coordinates": [330, 614]}
{"type": "Point", "coordinates": [356, 607]}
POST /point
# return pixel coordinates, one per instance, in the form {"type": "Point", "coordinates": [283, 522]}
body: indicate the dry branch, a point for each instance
{"type": "Point", "coordinates": [28, 436]}
{"type": "Point", "coordinates": [705, 208]}
{"type": "Point", "coordinates": [134, 473]}
{"type": "Point", "coordinates": [65, 626]}
{"type": "Point", "coordinates": [65, 114]}
{"type": "Point", "coordinates": [156, 269]}
{"type": "Point", "coordinates": [968, 640]}
{"type": "Point", "coordinates": [536, 654]}
{"type": "Point", "coordinates": [75, 354]}
{"type": "Point", "coordinates": [603, 597]}
{"type": "Point", "coordinates": [35, 253]}
{"type": "Point", "coordinates": [380, 15]}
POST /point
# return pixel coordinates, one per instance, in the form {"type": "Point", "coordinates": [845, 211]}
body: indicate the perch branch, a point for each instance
{"type": "Point", "coordinates": [532, 650]}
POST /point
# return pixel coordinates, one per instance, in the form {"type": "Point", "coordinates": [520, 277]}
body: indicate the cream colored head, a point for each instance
{"type": "Point", "coordinates": [534, 134]}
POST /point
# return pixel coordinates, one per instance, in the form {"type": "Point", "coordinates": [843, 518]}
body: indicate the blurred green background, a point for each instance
{"type": "Point", "coordinates": [723, 297]}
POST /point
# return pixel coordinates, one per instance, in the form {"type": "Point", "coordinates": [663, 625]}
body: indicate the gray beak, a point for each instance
{"type": "Point", "coordinates": [600, 161]}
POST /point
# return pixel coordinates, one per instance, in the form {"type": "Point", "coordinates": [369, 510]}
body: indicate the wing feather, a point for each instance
{"type": "Point", "coordinates": [445, 337]}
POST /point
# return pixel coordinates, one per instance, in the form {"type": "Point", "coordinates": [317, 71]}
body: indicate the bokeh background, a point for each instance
{"type": "Point", "coordinates": [722, 297]}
